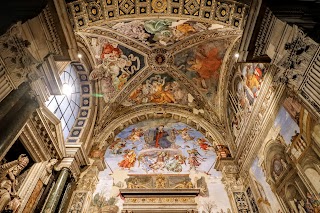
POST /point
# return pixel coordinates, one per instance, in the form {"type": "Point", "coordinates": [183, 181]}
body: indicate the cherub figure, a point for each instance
{"type": "Point", "coordinates": [185, 134]}
{"type": "Point", "coordinates": [135, 135]}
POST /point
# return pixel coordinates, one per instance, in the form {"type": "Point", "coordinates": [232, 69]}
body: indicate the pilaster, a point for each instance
{"type": "Point", "coordinates": [82, 196]}
{"type": "Point", "coordinates": [233, 184]}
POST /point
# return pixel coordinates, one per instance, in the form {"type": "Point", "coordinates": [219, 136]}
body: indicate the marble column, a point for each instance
{"type": "Point", "coordinates": [14, 121]}
{"type": "Point", "coordinates": [8, 103]}
{"type": "Point", "coordinates": [56, 192]}
{"type": "Point", "coordinates": [66, 197]}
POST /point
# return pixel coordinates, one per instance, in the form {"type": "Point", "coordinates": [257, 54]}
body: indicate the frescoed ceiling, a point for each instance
{"type": "Point", "coordinates": [156, 55]}
{"type": "Point", "coordinates": [196, 63]}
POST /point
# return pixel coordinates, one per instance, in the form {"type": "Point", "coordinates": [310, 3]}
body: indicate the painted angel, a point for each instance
{"type": "Point", "coordinates": [194, 158]}
{"type": "Point", "coordinates": [129, 160]}
{"type": "Point", "coordinates": [135, 135]}
{"type": "Point", "coordinates": [185, 135]}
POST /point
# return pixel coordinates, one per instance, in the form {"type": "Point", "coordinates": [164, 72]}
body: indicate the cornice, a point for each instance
{"type": "Point", "coordinates": [42, 129]}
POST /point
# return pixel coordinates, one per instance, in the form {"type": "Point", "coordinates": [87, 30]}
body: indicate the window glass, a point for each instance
{"type": "Point", "coordinates": [66, 106]}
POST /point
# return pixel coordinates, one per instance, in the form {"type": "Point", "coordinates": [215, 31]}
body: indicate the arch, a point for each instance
{"type": "Point", "coordinates": [109, 129]}
{"type": "Point", "coordinates": [84, 50]}
{"type": "Point", "coordinates": [291, 192]}
{"type": "Point", "coordinates": [308, 161]}
{"type": "Point", "coordinates": [272, 149]}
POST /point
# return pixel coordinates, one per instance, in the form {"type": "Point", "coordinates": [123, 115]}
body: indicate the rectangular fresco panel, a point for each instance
{"type": "Point", "coordinates": [245, 88]}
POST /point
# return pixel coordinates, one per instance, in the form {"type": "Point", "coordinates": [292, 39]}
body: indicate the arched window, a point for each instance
{"type": "Point", "coordinates": [66, 106]}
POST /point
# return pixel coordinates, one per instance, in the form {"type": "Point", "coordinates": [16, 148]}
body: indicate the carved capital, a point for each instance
{"type": "Point", "coordinates": [18, 61]}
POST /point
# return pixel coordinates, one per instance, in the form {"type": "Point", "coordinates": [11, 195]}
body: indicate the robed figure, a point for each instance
{"type": "Point", "coordinates": [159, 138]}
{"type": "Point", "coordinates": [9, 173]}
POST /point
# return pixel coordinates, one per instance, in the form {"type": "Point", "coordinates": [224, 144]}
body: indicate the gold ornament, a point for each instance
{"type": "Point", "coordinates": [159, 6]}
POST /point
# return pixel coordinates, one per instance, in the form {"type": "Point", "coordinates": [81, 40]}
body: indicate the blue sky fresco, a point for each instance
{"type": "Point", "coordinates": [287, 125]}
{"type": "Point", "coordinates": [186, 143]}
{"type": "Point", "coordinates": [258, 174]}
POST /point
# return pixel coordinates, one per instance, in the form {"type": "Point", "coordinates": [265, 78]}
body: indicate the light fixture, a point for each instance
{"type": "Point", "coordinates": [66, 89]}
{"type": "Point", "coordinates": [236, 55]}
{"type": "Point", "coordinates": [79, 55]}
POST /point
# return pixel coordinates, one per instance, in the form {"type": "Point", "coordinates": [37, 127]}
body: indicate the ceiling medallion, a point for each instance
{"type": "Point", "coordinates": [159, 6]}
{"type": "Point", "coordinates": [160, 59]}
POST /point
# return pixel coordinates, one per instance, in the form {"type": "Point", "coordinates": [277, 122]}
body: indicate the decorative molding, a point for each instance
{"type": "Point", "coordinates": [72, 165]}
{"type": "Point", "coordinates": [224, 81]}
{"type": "Point", "coordinates": [55, 128]}
{"type": "Point", "coordinates": [49, 73]}
{"type": "Point", "coordinates": [33, 143]}
{"type": "Point", "coordinates": [74, 159]}
{"type": "Point", "coordinates": [145, 50]}
{"type": "Point", "coordinates": [241, 201]}
{"type": "Point", "coordinates": [160, 181]}
{"type": "Point", "coordinates": [166, 200]}
{"type": "Point", "coordinates": [89, 179]}
{"type": "Point", "coordinates": [160, 200]}
{"type": "Point", "coordinates": [86, 185]}
{"type": "Point", "coordinates": [43, 130]}
{"type": "Point", "coordinates": [308, 89]}
{"type": "Point", "coordinates": [262, 112]}
{"type": "Point", "coordinates": [53, 40]}
{"type": "Point", "coordinates": [228, 13]}
{"type": "Point", "coordinates": [86, 108]}
{"type": "Point", "coordinates": [252, 201]}
{"type": "Point", "coordinates": [79, 202]}
{"type": "Point", "coordinates": [6, 85]}
{"type": "Point", "coordinates": [28, 185]}
{"type": "Point", "coordinates": [263, 37]}
{"type": "Point", "coordinates": [76, 151]}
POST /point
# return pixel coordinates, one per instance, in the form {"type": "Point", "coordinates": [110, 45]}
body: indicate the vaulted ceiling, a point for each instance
{"type": "Point", "coordinates": [158, 59]}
